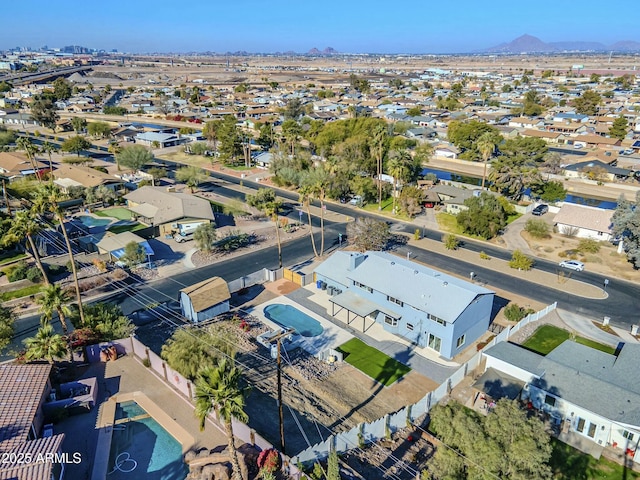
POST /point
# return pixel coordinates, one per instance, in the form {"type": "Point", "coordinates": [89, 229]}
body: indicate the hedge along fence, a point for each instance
{"type": "Point", "coordinates": [381, 428]}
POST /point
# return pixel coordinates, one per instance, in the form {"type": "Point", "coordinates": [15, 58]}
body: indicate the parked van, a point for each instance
{"type": "Point", "coordinates": [183, 237]}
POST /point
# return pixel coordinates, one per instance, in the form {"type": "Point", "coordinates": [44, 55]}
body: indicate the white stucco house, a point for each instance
{"type": "Point", "coordinates": [589, 393]}
{"type": "Point", "coordinates": [584, 222]}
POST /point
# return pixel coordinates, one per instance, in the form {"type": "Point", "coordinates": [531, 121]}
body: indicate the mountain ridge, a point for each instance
{"type": "Point", "coordinates": [530, 44]}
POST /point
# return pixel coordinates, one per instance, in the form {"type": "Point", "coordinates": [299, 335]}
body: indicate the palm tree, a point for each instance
{"type": "Point", "coordinates": [398, 168]}
{"type": "Point", "coordinates": [49, 148]}
{"type": "Point", "coordinates": [305, 199]}
{"type": "Point", "coordinates": [24, 143]}
{"type": "Point", "coordinates": [265, 200]}
{"type": "Point", "coordinates": [486, 145]}
{"type": "Point", "coordinates": [46, 345]}
{"type": "Point", "coordinates": [319, 181]}
{"type": "Point", "coordinates": [115, 149]}
{"type": "Point", "coordinates": [218, 388]}
{"type": "Point", "coordinates": [377, 148]}
{"type": "Point", "coordinates": [45, 199]}
{"type": "Point", "coordinates": [55, 299]}
{"type": "Point", "coordinates": [24, 225]}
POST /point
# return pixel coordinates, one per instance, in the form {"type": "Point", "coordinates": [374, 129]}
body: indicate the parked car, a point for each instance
{"type": "Point", "coordinates": [181, 237]}
{"type": "Point", "coordinates": [357, 200]}
{"type": "Point", "coordinates": [572, 265]}
{"type": "Point", "coordinates": [540, 210]}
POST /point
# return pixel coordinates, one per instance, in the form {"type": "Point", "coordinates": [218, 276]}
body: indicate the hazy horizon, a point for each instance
{"type": "Point", "coordinates": [348, 27]}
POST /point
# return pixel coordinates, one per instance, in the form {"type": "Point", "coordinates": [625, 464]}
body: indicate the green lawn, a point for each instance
{"type": "Point", "coordinates": [548, 337]}
{"type": "Point", "coordinates": [127, 228]}
{"type": "Point", "coordinates": [8, 257]}
{"type": "Point", "coordinates": [387, 208]}
{"type": "Point", "coordinates": [23, 292]}
{"type": "Point", "coordinates": [372, 362]}
{"type": "Point", "coordinates": [570, 464]}
{"type": "Point", "coordinates": [116, 212]}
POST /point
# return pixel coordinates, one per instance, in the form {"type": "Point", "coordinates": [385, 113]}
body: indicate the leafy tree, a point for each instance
{"type": "Point", "coordinates": [588, 245]}
{"type": "Point", "coordinates": [241, 88]}
{"type": "Point", "coordinates": [368, 234]}
{"type": "Point", "coordinates": [450, 241]}
{"type": "Point", "coordinates": [291, 132]}
{"type": "Point", "coordinates": [594, 78]}
{"type": "Point", "coordinates": [293, 109]}
{"type": "Point", "coordinates": [512, 175]}
{"type": "Point", "coordinates": [358, 83]}
{"type": "Point", "coordinates": [230, 143]}
{"type": "Point", "coordinates": [99, 129]}
{"type": "Point", "coordinates": [266, 201]}
{"type": "Point", "coordinates": [619, 128]}
{"type": "Point", "coordinates": [114, 110]}
{"type": "Point", "coordinates": [78, 124]}
{"type": "Point", "coordinates": [414, 111]}
{"type": "Point", "coordinates": [333, 466]}
{"type": "Point", "coordinates": [465, 135]}
{"type": "Point", "coordinates": [410, 200]}
{"type": "Point", "coordinates": [156, 174]}
{"type": "Point", "coordinates": [399, 167]}
{"type": "Point", "coordinates": [512, 447]}
{"type": "Point", "coordinates": [210, 132]}
{"type": "Point", "coordinates": [485, 216]}
{"type": "Point", "coordinates": [7, 137]}
{"type": "Point", "coordinates": [204, 236]}
{"type": "Point", "coordinates": [55, 299]}
{"type": "Point", "coordinates": [552, 191]}
{"type": "Point", "coordinates": [134, 157]}
{"type": "Point", "coordinates": [46, 345]}
{"type": "Point", "coordinates": [626, 223]}
{"type": "Point", "coordinates": [588, 102]}
{"type": "Point", "coordinates": [552, 163]}
{"type": "Point", "coordinates": [7, 323]}
{"type": "Point", "coordinates": [76, 144]}
{"type": "Point", "coordinates": [520, 261]}
{"type": "Point", "coordinates": [192, 176]}
{"type": "Point", "coordinates": [5, 86]}
{"type": "Point", "coordinates": [189, 350]}
{"type": "Point", "coordinates": [537, 228]}
{"type": "Point", "coordinates": [197, 148]}
{"type": "Point", "coordinates": [44, 112]}
{"type": "Point", "coordinates": [218, 388]}
{"type": "Point", "coordinates": [134, 254]}
{"type": "Point", "coordinates": [265, 138]}
{"type": "Point", "coordinates": [24, 225]}
{"type": "Point", "coordinates": [61, 88]}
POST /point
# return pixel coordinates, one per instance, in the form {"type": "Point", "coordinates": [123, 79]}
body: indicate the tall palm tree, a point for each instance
{"type": "Point", "coordinates": [486, 145]}
{"type": "Point", "coordinates": [49, 148]}
{"type": "Point", "coordinates": [24, 143]}
{"type": "Point", "coordinates": [45, 199]}
{"type": "Point", "coordinates": [55, 299]}
{"type": "Point", "coordinates": [266, 201]}
{"type": "Point", "coordinates": [319, 179]}
{"type": "Point", "coordinates": [377, 148]}
{"type": "Point", "coordinates": [305, 199]}
{"type": "Point", "coordinates": [218, 388]}
{"type": "Point", "coordinates": [46, 345]}
{"type": "Point", "coordinates": [398, 168]}
{"type": "Point", "coordinates": [115, 149]}
{"type": "Point", "coordinates": [24, 225]}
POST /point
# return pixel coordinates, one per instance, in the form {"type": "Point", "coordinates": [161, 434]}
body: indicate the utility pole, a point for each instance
{"type": "Point", "coordinates": [6, 199]}
{"type": "Point", "coordinates": [278, 339]}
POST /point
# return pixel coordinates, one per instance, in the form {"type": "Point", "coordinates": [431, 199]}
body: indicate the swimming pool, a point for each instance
{"type": "Point", "coordinates": [142, 449]}
{"type": "Point", "coordinates": [88, 221]}
{"type": "Point", "coordinates": [288, 316]}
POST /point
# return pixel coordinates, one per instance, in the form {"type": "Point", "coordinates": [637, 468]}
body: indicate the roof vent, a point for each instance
{"type": "Point", "coordinates": [393, 263]}
{"type": "Point", "coordinates": [415, 272]}
{"type": "Point", "coordinates": [444, 284]}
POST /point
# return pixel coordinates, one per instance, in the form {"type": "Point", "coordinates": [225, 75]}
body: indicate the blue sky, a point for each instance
{"type": "Point", "coordinates": [354, 26]}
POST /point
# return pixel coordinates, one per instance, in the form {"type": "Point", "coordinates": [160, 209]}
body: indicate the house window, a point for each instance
{"type": "Point", "coordinates": [437, 320]}
{"type": "Point", "coordinates": [410, 326]}
{"type": "Point", "coordinates": [599, 234]}
{"type": "Point", "coordinates": [435, 342]}
{"type": "Point", "coordinates": [395, 300]}
{"type": "Point", "coordinates": [549, 400]}
{"type": "Point", "coordinates": [628, 435]}
{"type": "Point", "coordinates": [580, 426]}
{"type": "Point", "coordinates": [460, 341]}
{"type": "Point", "coordinates": [391, 321]}
{"type": "Point", "coordinates": [363, 286]}
{"type": "Point", "coordinates": [592, 430]}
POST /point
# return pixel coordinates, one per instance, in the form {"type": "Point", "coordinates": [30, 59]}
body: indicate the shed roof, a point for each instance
{"type": "Point", "coordinates": [208, 293]}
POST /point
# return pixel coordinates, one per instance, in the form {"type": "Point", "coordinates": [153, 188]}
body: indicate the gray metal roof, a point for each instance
{"type": "Point", "coordinates": [423, 288]}
{"type": "Point", "coordinates": [516, 356]}
{"type": "Point", "coordinates": [335, 267]}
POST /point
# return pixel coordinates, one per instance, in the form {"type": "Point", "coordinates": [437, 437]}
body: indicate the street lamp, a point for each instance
{"type": "Point", "coordinates": [606, 282]}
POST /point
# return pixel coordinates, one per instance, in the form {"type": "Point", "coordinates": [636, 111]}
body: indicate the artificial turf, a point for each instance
{"type": "Point", "coordinates": [382, 368]}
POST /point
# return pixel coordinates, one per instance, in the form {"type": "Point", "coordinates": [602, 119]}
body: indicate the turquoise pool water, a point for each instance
{"type": "Point", "coordinates": [288, 316]}
{"type": "Point", "coordinates": [142, 449]}
{"type": "Point", "coordinates": [93, 221]}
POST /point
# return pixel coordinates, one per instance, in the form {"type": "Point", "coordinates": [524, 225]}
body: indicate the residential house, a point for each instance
{"type": "Point", "coordinates": [571, 129]}
{"type": "Point", "coordinates": [453, 198]}
{"type": "Point", "coordinates": [15, 165]}
{"type": "Point", "coordinates": [263, 159]}
{"type": "Point", "coordinates": [524, 122]}
{"type": "Point", "coordinates": [571, 117]}
{"type": "Point", "coordinates": [205, 299]}
{"type": "Point", "coordinates": [549, 137]}
{"type": "Point", "coordinates": [591, 395]}
{"type": "Point", "coordinates": [584, 222]}
{"type": "Point", "coordinates": [594, 141]}
{"type": "Point", "coordinates": [596, 170]}
{"type": "Point", "coordinates": [425, 306]}
{"type": "Point", "coordinates": [22, 119]}
{"type": "Point", "coordinates": [67, 175]}
{"type": "Point", "coordinates": [169, 211]}
{"type": "Point", "coordinates": [447, 151]}
{"type": "Point", "coordinates": [153, 139]}
{"type": "Point", "coordinates": [24, 389]}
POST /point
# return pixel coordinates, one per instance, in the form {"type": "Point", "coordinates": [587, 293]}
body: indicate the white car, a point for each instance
{"type": "Point", "coordinates": [572, 265]}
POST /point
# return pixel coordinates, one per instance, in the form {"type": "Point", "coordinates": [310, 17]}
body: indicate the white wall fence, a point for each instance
{"type": "Point", "coordinates": [383, 427]}
{"type": "Point", "coordinates": [250, 280]}
{"type": "Point", "coordinates": [132, 345]}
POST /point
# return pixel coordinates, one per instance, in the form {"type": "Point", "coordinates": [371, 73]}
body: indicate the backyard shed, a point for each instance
{"type": "Point", "coordinates": [205, 300]}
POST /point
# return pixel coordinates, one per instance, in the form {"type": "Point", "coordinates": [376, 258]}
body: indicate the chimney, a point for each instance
{"type": "Point", "coordinates": [355, 259]}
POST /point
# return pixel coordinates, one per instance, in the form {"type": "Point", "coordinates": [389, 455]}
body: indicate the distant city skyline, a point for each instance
{"type": "Point", "coordinates": [352, 26]}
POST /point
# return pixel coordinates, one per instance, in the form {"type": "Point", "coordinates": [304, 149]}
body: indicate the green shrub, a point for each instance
{"type": "Point", "coordinates": [484, 256]}
{"type": "Point", "coordinates": [514, 312]}
{"type": "Point", "coordinates": [450, 241]}
{"type": "Point", "coordinates": [55, 270]}
{"type": "Point", "coordinates": [537, 228]}
{"type": "Point", "coordinates": [17, 272]}
{"type": "Point", "coordinates": [34, 274]}
{"type": "Point", "coordinates": [416, 234]}
{"type": "Point", "coordinates": [520, 261]}
{"type": "Point", "coordinates": [588, 245]}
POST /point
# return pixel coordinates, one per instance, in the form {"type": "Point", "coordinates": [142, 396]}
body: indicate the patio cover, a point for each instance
{"type": "Point", "coordinates": [120, 251]}
{"type": "Point", "coordinates": [359, 305]}
{"type": "Point", "coordinates": [498, 385]}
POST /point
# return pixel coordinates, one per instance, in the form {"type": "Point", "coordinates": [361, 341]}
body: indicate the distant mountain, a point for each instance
{"type": "Point", "coordinates": [313, 51]}
{"type": "Point", "coordinates": [326, 51]}
{"type": "Point", "coordinates": [329, 51]}
{"type": "Point", "coordinates": [531, 44]}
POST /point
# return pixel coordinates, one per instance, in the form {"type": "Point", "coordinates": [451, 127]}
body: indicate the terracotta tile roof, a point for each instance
{"type": "Point", "coordinates": [38, 468]}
